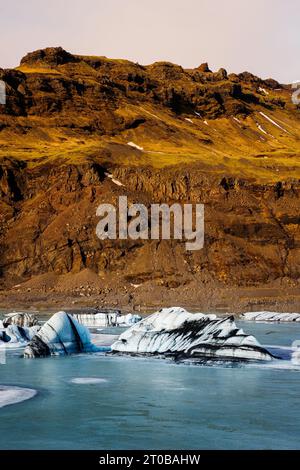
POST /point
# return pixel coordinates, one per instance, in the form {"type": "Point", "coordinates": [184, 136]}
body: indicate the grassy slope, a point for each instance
{"type": "Point", "coordinates": [251, 147]}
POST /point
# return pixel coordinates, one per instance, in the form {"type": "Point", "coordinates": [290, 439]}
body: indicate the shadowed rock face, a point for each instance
{"type": "Point", "coordinates": [228, 141]}
{"type": "Point", "coordinates": [186, 336]}
{"type": "Point", "coordinates": [62, 334]}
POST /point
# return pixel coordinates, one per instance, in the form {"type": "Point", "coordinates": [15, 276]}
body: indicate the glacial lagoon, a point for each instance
{"type": "Point", "coordinates": [96, 401]}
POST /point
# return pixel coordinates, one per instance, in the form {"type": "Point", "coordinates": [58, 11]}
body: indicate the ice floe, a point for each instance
{"type": "Point", "coordinates": [88, 380]}
{"type": "Point", "coordinates": [186, 336]}
{"type": "Point", "coordinates": [62, 334]}
{"type": "Point", "coordinates": [20, 319]}
{"type": "Point", "coordinates": [109, 319]}
{"type": "Point", "coordinates": [266, 316]}
{"type": "Point", "coordinates": [10, 395]}
{"type": "Point", "coordinates": [97, 319]}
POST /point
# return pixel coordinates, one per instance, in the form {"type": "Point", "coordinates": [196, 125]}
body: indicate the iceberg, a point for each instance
{"type": "Point", "coordinates": [61, 334]}
{"type": "Point", "coordinates": [266, 316]}
{"type": "Point", "coordinates": [128, 320]}
{"type": "Point", "coordinates": [14, 336]}
{"type": "Point", "coordinates": [20, 319]}
{"type": "Point", "coordinates": [176, 333]}
{"type": "Point", "coordinates": [106, 319]}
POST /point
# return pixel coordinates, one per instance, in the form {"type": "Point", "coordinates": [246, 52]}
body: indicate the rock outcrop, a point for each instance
{"type": "Point", "coordinates": [78, 131]}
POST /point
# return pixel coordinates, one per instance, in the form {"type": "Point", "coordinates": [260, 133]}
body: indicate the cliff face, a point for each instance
{"type": "Point", "coordinates": [230, 142]}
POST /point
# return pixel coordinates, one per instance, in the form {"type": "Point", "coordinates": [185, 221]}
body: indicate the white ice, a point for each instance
{"type": "Point", "coordinates": [106, 319]}
{"type": "Point", "coordinates": [174, 330]}
{"type": "Point", "coordinates": [88, 380]}
{"type": "Point", "coordinates": [61, 333]}
{"type": "Point", "coordinates": [10, 395]}
{"type": "Point", "coordinates": [266, 316]}
{"type": "Point", "coordinates": [16, 338]}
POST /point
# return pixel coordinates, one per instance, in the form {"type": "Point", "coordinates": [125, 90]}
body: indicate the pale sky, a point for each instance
{"type": "Point", "coordinates": [261, 36]}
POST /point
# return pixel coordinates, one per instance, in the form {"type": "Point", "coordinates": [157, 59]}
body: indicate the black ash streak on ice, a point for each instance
{"type": "Point", "coordinates": [184, 336]}
{"type": "Point", "coordinates": [171, 333]}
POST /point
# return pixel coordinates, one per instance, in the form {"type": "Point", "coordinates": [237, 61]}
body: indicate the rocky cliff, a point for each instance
{"type": "Point", "coordinates": [166, 135]}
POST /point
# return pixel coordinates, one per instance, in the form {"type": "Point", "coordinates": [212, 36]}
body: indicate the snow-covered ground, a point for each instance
{"type": "Point", "coordinates": [263, 90]}
{"type": "Point", "coordinates": [88, 381]}
{"type": "Point", "coordinates": [132, 144]}
{"type": "Point", "coordinates": [272, 122]}
{"type": "Point", "coordinates": [114, 180]}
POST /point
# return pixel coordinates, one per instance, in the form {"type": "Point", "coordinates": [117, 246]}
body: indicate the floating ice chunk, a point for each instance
{"type": "Point", "coordinates": [12, 395]}
{"type": "Point", "coordinates": [62, 334]}
{"type": "Point", "coordinates": [132, 144]}
{"type": "Point", "coordinates": [129, 319]}
{"type": "Point", "coordinates": [20, 319]}
{"type": "Point", "coordinates": [110, 319]}
{"type": "Point", "coordinates": [15, 336]}
{"type": "Point", "coordinates": [97, 319]}
{"type": "Point", "coordinates": [176, 332]}
{"type": "Point", "coordinates": [266, 316]}
{"type": "Point", "coordinates": [88, 380]}
{"type": "Point", "coordinates": [296, 357]}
